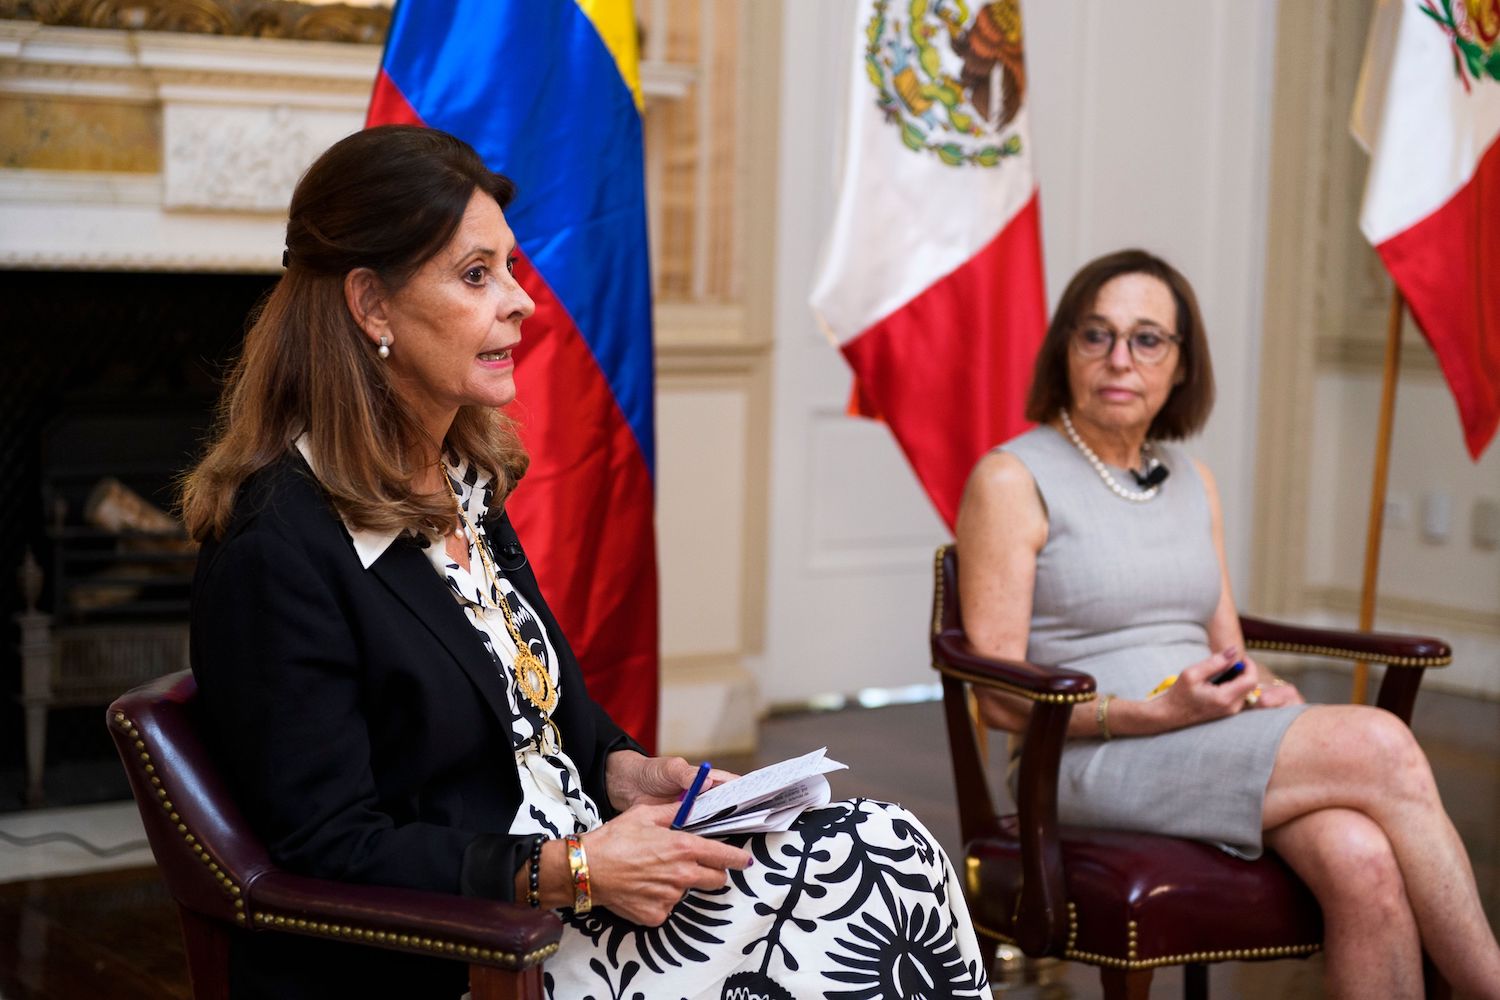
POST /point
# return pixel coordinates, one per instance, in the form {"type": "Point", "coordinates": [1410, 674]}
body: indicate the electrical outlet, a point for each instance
{"type": "Point", "coordinates": [1485, 527]}
{"type": "Point", "coordinates": [1437, 517]}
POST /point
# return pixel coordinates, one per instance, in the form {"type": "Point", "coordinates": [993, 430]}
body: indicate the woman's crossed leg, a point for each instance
{"type": "Point", "coordinates": [1353, 808]}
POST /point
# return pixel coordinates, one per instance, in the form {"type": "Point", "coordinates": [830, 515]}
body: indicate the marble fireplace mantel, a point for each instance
{"type": "Point", "coordinates": [234, 122]}
{"type": "Point", "coordinates": [238, 120]}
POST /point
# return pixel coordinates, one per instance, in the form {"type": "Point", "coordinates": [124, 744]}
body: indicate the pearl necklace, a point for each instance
{"type": "Point", "coordinates": [1134, 496]}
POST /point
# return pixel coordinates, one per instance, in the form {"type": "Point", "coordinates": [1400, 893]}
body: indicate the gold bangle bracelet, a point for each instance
{"type": "Point", "coordinates": [1101, 715]}
{"type": "Point", "coordinates": [578, 868]}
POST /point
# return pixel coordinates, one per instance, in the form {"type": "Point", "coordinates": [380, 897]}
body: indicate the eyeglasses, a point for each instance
{"type": "Point", "coordinates": [1147, 346]}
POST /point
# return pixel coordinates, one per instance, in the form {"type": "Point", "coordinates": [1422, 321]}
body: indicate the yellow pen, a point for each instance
{"type": "Point", "coordinates": [1229, 673]}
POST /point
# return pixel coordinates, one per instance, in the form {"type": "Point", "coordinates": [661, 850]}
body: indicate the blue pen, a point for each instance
{"type": "Point", "coordinates": [692, 795]}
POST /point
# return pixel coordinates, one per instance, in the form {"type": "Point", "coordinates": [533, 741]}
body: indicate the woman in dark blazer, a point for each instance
{"type": "Point", "coordinates": [400, 721]}
{"type": "Point", "coordinates": [386, 689]}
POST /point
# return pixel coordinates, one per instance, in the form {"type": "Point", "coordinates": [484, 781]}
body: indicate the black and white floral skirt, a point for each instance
{"type": "Point", "coordinates": [855, 902]}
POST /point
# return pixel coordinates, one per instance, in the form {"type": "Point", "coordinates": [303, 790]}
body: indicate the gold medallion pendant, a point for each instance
{"type": "Point", "coordinates": [533, 680]}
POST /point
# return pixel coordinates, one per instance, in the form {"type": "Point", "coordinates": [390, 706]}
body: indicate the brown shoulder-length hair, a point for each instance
{"type": "Point", "coordinates": [1192, 398]}
{"type": "Point", "coordinates": [386, 198]}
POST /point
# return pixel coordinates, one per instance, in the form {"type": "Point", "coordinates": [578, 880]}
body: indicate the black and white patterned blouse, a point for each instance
{"type": "Point", "coordinates": [555, 802]}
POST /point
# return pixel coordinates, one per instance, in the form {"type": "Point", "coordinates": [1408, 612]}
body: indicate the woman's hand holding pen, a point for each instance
{"type": "Point", "coordinates": [632, 779]}
{"type": "Point", "coordinates": [641, 868]}
{"type": "Point", "coordinates": [1194, 698]}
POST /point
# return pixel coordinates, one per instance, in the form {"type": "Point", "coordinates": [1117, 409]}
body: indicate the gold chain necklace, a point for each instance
{"type": "Point", "coordinates": [532, 679]}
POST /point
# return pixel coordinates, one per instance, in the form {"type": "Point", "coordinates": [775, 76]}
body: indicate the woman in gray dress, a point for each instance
{"type": "Point", "coordinates": [1078, 550]}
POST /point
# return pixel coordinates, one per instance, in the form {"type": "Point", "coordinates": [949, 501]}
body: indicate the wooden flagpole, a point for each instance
{"type": "Point", "coordinates": [1378, 486]}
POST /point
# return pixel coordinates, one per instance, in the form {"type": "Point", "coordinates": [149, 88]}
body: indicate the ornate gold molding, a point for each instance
{"type": "Point", "coordinates": [339, 22]}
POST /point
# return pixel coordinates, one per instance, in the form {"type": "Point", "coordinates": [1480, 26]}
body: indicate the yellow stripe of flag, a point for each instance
{"type": "Point", "coordinates": [615, 22]}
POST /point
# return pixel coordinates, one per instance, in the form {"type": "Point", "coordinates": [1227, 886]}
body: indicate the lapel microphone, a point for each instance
{"type": "Point", "coordinates": [1154, 476]}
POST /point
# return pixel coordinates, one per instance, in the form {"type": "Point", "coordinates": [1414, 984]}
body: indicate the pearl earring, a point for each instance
{"type": "Point", "coordinates": [384, 350]}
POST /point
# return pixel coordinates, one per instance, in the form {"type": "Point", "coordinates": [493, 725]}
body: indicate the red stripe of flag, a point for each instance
{"type": "Point", "coordinates": [949, 370]}
{"type": "Point", "coordinates": [388, 106]}
{"type": "Point", "coordinates": [1448, 267]}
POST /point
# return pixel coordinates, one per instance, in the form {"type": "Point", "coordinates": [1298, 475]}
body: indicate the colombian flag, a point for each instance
{"type": "Point", "coordinates": [548, 92]}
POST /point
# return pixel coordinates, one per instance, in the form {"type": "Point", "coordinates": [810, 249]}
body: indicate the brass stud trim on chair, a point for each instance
{"type": "Point", "coordinates": [1050, 698]}
{"type": "Point", "coordinates": [149, 768]}
{"type": "Point", "coordinates": [1136, 965]}
{"type": "Point", "coordinates": [1194, 958]}
{"type": "Point", "coordinates": [1134, 962]}
{"type": "Point", "coordinates": [1348, 654]}
{"type": "Point", "coordinates": [319, 928]}
{"type": "Point", "coordinates": [937, 591]}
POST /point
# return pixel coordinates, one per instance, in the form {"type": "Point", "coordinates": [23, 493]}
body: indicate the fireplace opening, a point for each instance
{"type": "Point", "coordinates": [106, 396]}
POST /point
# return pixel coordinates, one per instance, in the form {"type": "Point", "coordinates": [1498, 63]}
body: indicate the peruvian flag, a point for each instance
{"type": "Point", "coordinates": [932, 282]}
{"type": "Point", "coordinates": [1428, 112]}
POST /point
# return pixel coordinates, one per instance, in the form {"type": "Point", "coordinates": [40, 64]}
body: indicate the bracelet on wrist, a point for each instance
{"type": "Point", "coordinates": [1101, 716]}
{"type": "Point", "coordinates": [578, 869]}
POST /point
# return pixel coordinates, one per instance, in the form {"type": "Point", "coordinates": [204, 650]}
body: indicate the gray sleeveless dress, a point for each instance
{"type": "Point", "coordinates": [1125, 591]}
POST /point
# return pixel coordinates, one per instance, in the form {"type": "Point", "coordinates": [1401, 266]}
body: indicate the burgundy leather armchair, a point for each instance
{"type": "Point", "coordinates": [221, 876]}
{"type": "Point", "coordinates": [1128, 903]}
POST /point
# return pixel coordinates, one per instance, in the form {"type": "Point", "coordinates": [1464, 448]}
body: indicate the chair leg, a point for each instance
{"type": "Point", "coordinates": [1195, 981]}
{"type": "Point", "coordinates": [489, 983]}
{"type": "Point", "coordinates": [207, 944]}
{"type": "Point", "coordinates": [1120, 984]}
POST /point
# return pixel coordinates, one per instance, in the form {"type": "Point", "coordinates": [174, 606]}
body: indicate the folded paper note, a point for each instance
{"type": "Point", "coordinates": [765, 800]}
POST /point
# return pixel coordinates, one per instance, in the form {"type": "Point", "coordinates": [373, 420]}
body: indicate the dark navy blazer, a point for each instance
{"type": "Point", "coordinates": [364, 728]}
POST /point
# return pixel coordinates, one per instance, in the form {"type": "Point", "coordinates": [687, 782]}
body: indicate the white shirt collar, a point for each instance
{"type": "Point", "coordinates": [368, 545]}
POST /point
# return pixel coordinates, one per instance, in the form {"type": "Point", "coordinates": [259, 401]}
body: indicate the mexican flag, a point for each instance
{"type": "Point", "coordinates": [1428, 112]}
{"type": "Point", "coordinates": [932, 280]}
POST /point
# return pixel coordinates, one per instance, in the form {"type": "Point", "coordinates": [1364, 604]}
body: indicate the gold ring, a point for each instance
{"type": "Point", "coordinates": [1252, 698]}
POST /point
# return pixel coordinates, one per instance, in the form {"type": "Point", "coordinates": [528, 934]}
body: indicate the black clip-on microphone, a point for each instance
{"type": "Point", "coordinates": [1155, 476]}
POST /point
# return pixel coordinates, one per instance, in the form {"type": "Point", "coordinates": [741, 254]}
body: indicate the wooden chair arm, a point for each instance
{"type": "Point", "coordinates": [953, 656]}
{"type": "Point", "coordinates": [1417, 651]}
{"type": "Point", "coordinates": [1042, 908]}
{"type": "Point", "coordinates": [1409, 655]}
{"type": "Point", "coordinates": [479, 931]}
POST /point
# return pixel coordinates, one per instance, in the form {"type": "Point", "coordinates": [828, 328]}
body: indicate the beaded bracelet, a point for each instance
{"type": "Point", "coordinates": [578, 865]}
{"type": "Point", "coordinates": [534, 877]}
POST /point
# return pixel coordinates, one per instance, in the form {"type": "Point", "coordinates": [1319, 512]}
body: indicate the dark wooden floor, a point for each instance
{"type": "Point", "coordinates": [115, 935]}
{"type": "Point", "coordinates": [102, 935]}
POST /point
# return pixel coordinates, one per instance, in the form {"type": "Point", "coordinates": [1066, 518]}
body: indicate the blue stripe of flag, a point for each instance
{"type": "Point", "coordinates": [530, 85]}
